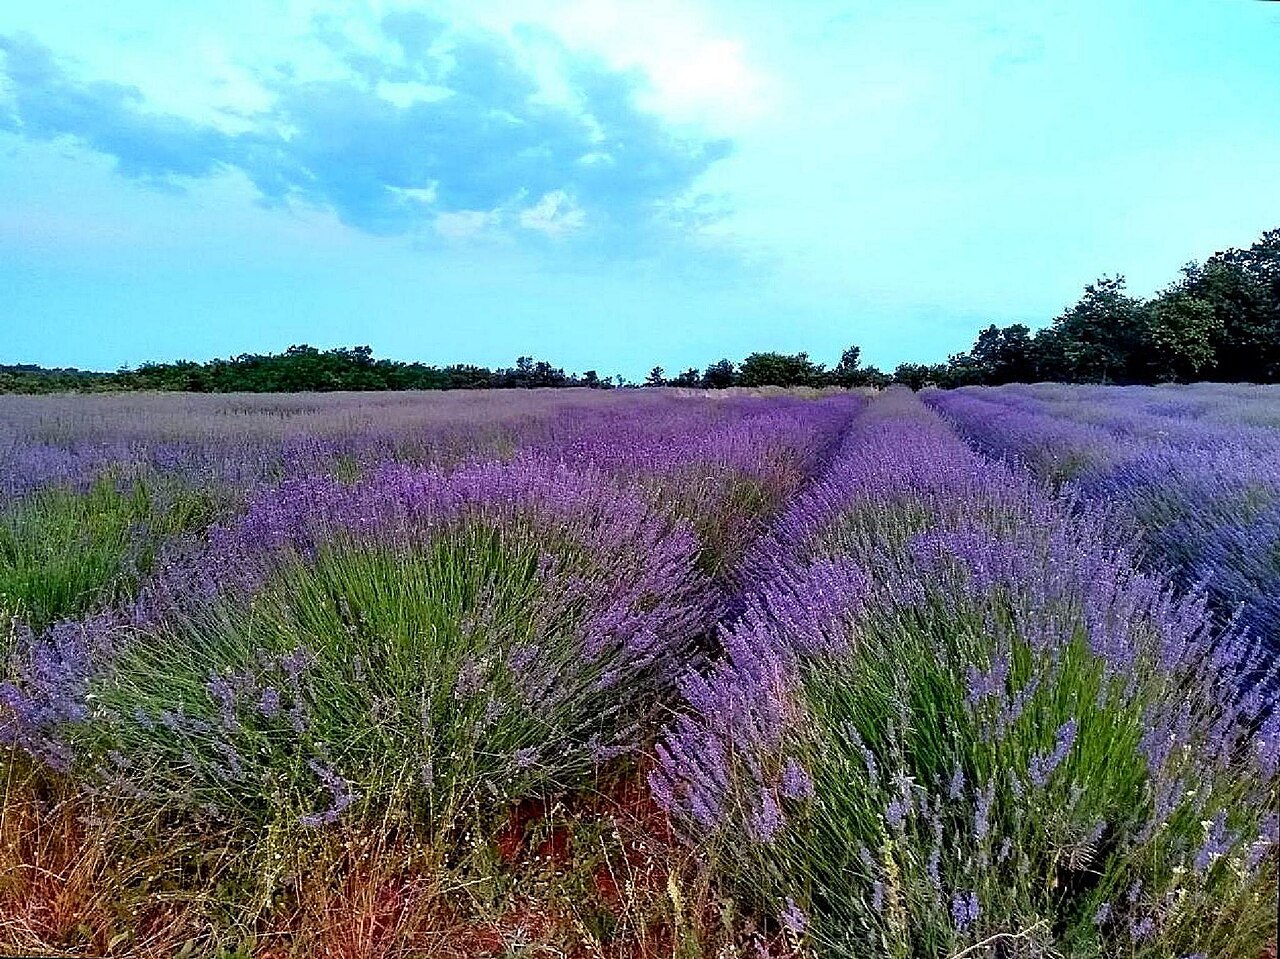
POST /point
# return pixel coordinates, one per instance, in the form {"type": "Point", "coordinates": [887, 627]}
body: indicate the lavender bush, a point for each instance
{"type": "Point", "coordinates": [953, 713]}
{"type": "Point", "coordinates": [246, 441]}
{"type": "Point", "coordinates": [420, 644]}
{"type": "Point", "coordinates": [64, 554]}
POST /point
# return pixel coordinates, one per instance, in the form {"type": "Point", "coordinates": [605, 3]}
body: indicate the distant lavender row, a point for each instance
{"type": "Point", "coordinates": [243, 441]}
{"type": "Point", "coordinates": [952, 707]}
{"type": "Point", "coordinates": [1195, 470]}
{"type": "Point", "coordinates": [161, 468]}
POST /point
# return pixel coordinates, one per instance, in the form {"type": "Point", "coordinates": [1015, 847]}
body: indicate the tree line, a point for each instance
{"type": "Point", "coordinates": [305, 368]}
{"type": "Point", "coordinates": [1220, 320]}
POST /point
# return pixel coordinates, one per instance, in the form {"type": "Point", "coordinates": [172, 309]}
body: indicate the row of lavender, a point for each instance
{"type": "Point", "coordinates": [418, 637]}
{"type": "Point", "coordinates": [954, 715]}
{"type": "Point", "coordinates": [245, 440]}
{"type": "Point", "coordinates": [1194, 471]}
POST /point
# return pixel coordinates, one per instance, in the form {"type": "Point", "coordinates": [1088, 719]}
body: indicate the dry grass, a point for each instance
{"type": "Point", "coordinates": [596, 877]}
{"type": "Point", "coordinates": [65, 888]}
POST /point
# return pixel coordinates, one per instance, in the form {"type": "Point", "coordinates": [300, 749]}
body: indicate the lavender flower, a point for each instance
{"type": "Point", "coordinates": [768, 820]}
{"type": "Point", "coordinates": [1217, 842]}
{"type": "Point", "coordinates": [340, 794]}
{"type": "Point", "coordinates": [796, 782]}
{"type": "Point", "coordinates": [269, 702]}
{"type": "Point", "coordinates": [793, 918]}
{"type": "Point", "coordinates": [469, 681]}
{"type": "Point", "coordinates": [895, 813]}
{"type": "Point", "coordinates": [982, 812]}
{"type": "Point", "coordinates": [935, 861]}
{"type": "Point", "coordinates": [1142, 929]}
{"type": "Point", "coordinates": [984, 685]}
{"type": "Point", "coordinates": [964, 910]}
{"type": "Point", "coordinates": [1043, 765]}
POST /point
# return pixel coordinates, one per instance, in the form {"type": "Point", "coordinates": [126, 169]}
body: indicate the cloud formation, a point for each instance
{"type": "Point", "coordinates": [431, 128]}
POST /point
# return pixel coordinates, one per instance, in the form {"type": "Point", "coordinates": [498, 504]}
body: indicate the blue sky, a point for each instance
{"type": "Point", "coordinates": [611, 183]}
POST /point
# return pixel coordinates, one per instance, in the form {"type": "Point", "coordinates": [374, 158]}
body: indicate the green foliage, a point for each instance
{"type": "Point", "coordinates": [298, 369]}
{"type": "Point", "coordinates": [28, 378]}
{"type": "Point", "coordinates": [999, 356]}
{"type": "Point", "coordinates": [1243, 287]}
{"type": "Point", "coordinates": [64, 553]}
{"type": "Point", "coordinates": [431, 682]}
{"type": "Point", "coordinates": [1044, 867]}
{"type": "Point", "coordinates": [719, 375]}
{"type": "Point", "coordinates": [1183, 333]}
{"type": "Point", "coordinates": [1098, 340]}
{"type": "Point", "coordinates": [919, 375]}
{"type": "Point", "coordinates": [924, 791]}
{"type": "Point", "coordinates": [779, 369]}
{"type": "Point", "coordinates": [1220, 321]}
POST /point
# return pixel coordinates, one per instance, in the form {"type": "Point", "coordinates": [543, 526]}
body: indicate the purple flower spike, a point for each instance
{"type": "Point", "coordinates": [793, 918]}
{"type": "Point", "coordinates": [796, 782]}
{"type": "Point", "coordinates": [964, 910]}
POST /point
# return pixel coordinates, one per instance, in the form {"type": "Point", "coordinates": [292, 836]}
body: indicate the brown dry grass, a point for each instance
{"type": "Point", "coordinates": [63, 889]}
{"type": "Point", "coordinates": [596, 877]}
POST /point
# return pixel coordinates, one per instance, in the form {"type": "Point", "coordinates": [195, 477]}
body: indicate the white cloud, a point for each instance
{"type": "Point", "coordinates": [8, 100]}
{"type": "Point", "coordinates": [187, 65]}
{"type": "Point", "coordinates": [407, 93]}
{"type": "Point", "coordinates": [425, 195]}
{"type": "Point", "coordinates": [697, 72]}
{"type": "Point", "coordinates": [468, 224]}
{"type": "Point", "coordinates": [555, 215]}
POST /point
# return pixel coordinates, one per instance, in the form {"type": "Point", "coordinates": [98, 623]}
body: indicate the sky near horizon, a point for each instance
{"type": "Point", "coordinates": [611, 184]}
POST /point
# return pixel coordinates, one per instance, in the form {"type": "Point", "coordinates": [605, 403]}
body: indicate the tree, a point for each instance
{"type": "Point", "coordinates": [919, 375]}
{"type": "Point", "coordinates": [1182, 335]}
{"type": "Point", "coordinates": [850, 372]}
{"type": "Point", "coordinates": [1243, 287]}
{"type": "Point", "coordinates": [719, 375]}
{"type": "Point", "coordinates": [1220, 320]}
{"type": "Point", "coordinates": [462, 376]}
{"type": "Point", "coordinates": [846, 372]}
{"type": "Point", "coordinates": [1100, 338]}
{"type": "Point", "coordinates": [778, 369]}
{"type": "Point", "coordinates": [1003, 355]}
{"type": "Point", "coordinates": [544, 374]}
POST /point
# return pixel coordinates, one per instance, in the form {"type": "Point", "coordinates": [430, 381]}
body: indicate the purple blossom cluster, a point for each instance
{"type": "Point", "coordinates": [638, 604]}
{"type": "Point", "coordinates": [964, 910]}
{"type": "Point", "coordinates": [249, 442]}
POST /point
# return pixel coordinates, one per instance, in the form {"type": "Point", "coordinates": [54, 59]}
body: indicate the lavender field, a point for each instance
{"type": "Point", "coordinates": [642, 673]}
